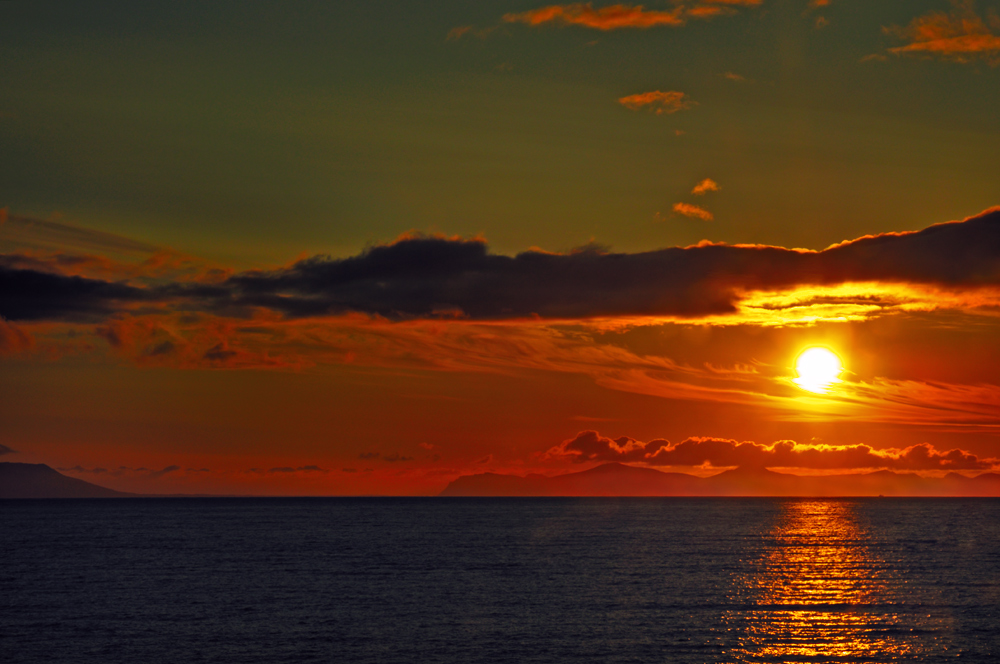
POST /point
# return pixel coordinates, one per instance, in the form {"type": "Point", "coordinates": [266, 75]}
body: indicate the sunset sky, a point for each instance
{"type": "Point", "coordinates": [367, 247]}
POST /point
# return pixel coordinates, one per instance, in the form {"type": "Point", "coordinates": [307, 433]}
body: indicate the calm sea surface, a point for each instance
{"type": "Point", "coordinates": [499, 580]}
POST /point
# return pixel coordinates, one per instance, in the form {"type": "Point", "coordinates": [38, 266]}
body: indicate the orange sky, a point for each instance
{"type": "Point", "coordinates": [377, 250]}
{"type": "Point", "coordinates": [175, 375]}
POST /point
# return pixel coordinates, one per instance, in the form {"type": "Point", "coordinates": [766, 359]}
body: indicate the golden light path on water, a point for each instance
{"type": "Point", "coordinates": [819, 593]}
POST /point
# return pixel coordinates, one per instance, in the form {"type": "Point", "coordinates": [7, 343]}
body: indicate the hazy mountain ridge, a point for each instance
{"type": "Point", "coordinates": [26, 480]}
{"type": "Point", "coordinates": [614, 479]}
{"type": "Point", "coordinates": [37, 480]}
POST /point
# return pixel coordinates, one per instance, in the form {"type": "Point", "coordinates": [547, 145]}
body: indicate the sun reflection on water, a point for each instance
{"type": "Point", "coordinates": [819, 593]}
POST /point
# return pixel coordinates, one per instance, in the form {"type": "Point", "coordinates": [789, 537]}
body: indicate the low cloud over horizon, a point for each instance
{"type": "Point", "coordinates": [591, 446]}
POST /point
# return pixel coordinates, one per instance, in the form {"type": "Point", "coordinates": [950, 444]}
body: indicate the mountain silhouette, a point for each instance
{"type": "Point", "coordinates": [36, 480]}
{"type": "Point", "coordinates": [615, 479]}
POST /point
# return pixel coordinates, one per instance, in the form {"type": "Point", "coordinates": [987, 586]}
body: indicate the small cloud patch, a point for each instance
{"type": "Point", "coordinates": [693, 211]}
{"type": "Point", "coordinates": [660, 102]}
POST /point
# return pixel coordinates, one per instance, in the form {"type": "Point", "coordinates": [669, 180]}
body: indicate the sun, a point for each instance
{"type": "Point", "coordinates": [818, 369]}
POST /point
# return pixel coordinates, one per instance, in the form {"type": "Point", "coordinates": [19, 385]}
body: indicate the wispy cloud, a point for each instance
{"type": "Point", "coordinates": [959, 36]}
{"type": "Point", "coordinates": [612, 17]}
{"type": "Point", "coordinates": [13, 339]}
{"type": "Point", "coordinates": [298, 469]}
{"type": "Point", "coordinates": [156, 474]}
{"type": "Point", "coordinates": [693, 211]}
{"type": "Point", "coordinates": [458, 31]}
{"type": "Point", "coordinates": [20, 231]}
{"type": "Point", "coordinates": [658, 101]}
{"type": "Point", "coordinates": [6, 450]}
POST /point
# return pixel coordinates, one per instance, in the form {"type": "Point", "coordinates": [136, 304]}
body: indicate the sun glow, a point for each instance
{"type": "Point", "coordinates": [818, 369]}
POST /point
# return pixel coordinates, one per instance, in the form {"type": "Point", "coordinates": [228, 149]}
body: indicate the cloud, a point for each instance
{"type": "Point", "coordinates": [590, 446]}
{"type": "Point", "coordinates": [693, 211]}
{"type": "Point", "coordinates": [6, 450]}
{"type": "Point", "coordinates": [661, 102]}
{"type": "Point", "coordinates": [734, 77]}
{"type": "Point", "coordinates": [705, 186]}
{"type": "Point", "coordinates": [429, 276]}
{"type": "Point", "coordinates": [448, 278]}
{"type": "Point", "coordinates": [156, 474]}
{"type": "Point", "coordinates": [299, 469]}
{"type": "Point", "coordinates": [190, 340]}
{"type": "Point", "coordinates": [13, 339]}
{"type": "Point", "coordinates": [64, 249]}
{"type": "Point", "coordinates": [35, 295]}
{"type": "Point", "coordinates": [611, 17]}
{"type": "Point", "coordinates": [45, 234]}
{"type": "Point", "coordinates": [122, 470]}
{"type": "Point", "coordinates": [457, 32]}
{"type": "Point", "coordinates": [78, 469]}
{"type": "Point", "coordinates": [614, 17]}
{"type": "Point", "coordinates": [960, 36]}
{"type": "Point", "coordinates": [711, 8]}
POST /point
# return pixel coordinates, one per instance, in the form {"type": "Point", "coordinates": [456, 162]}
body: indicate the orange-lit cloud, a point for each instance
{"type": "Point", "coordinates": [614, 17]}
{"type": "Point", "coordinates": [661, 102]}
{"type": "Point", "coordinates": [203, 342]}
{"type": "Point", "coordinates": [59, 248]}
{"type": "Point", "coordinates": [458, 31]}
{"type": "Point", "coordinates": [693, 211]}
{"type": "Point", "coordinates": [712, 8]}
{"type": "Point", "coordinates": [13, 339]}
{"type": "Point", "coordinates": [611, 17]}
{"type": "Point", "coordinates": [705, 186]}
{"type": "Point", "coordinates": [589, 446]}
{"type": "Point", "coordinates": [959, 36]}
{"type": "Point", "coordinates": [198, 341]}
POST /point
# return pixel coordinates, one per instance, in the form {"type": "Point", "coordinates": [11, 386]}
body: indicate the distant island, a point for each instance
{"type": "Point", "coordinates": [615, 479]}
{"type": "Point", "coordinates": [36, 480]}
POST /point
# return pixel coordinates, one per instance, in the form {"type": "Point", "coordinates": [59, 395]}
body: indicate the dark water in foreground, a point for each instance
{"type": "Point", "coordinates": [499, 580]}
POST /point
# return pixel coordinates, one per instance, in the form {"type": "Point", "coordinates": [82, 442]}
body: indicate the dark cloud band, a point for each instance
{"type": "Point", "coordinates": [427, 277]}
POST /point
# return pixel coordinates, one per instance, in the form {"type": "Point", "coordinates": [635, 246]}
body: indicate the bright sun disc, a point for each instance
{"type": "Point", "coordinates": [818, 369]}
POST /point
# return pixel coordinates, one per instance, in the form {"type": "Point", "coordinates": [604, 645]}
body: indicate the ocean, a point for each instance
{"type": "Point", "coordinates": [464, 580]}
